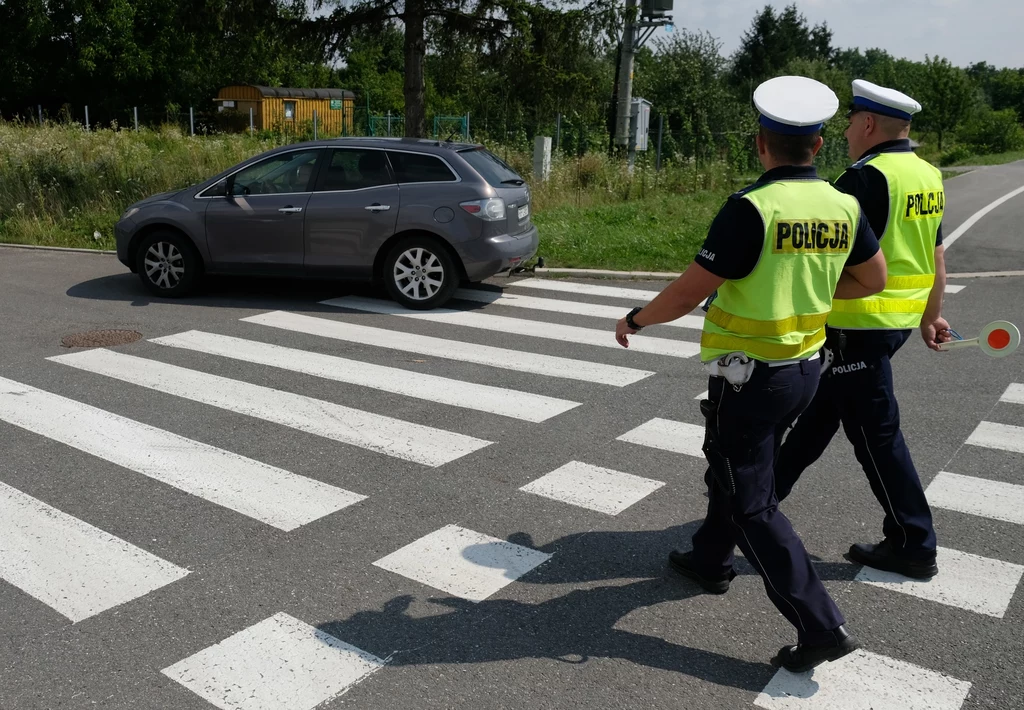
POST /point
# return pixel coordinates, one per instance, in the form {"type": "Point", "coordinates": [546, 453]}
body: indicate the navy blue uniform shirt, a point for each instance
{"type": "Point", "coordinates": [736, 237]}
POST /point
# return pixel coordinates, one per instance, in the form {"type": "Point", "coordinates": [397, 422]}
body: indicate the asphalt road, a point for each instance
{"type": "Point", "coordinates": [508, 599]}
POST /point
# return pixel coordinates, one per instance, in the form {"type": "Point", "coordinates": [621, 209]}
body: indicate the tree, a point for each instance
{"type": "Point", "coordinates": [774, 40]}
{"type": "Point", "coordinates": [684, 80]}
{"type": "Point", "coordinates": [484, 19]}
{"type": "Point", "coordinates": [947, 97]}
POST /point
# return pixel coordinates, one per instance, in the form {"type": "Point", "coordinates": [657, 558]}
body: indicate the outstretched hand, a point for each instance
{"type": "Point", "coordinates": [622, 333]}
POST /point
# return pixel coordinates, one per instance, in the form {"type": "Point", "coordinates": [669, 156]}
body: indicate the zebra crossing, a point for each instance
{"type": "Point", "coordinates": [283, 661]}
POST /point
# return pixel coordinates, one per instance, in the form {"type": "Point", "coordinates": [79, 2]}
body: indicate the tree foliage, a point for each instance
{"type": "Point", "coordinates": [512, 65]}
{"type": "Point", "coordinates": [776, 39]}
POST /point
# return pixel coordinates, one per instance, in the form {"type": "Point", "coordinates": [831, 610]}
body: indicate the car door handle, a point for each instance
{"type": "Point", "coordinates": [290, 209]}
{"type": "Point", "coordinates": [377, 208]}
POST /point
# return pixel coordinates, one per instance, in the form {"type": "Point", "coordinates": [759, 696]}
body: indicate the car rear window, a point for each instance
{"type": "Point", "coordinates": [491, 168]}
{"type": "Point", "coordinates": [417, 167]}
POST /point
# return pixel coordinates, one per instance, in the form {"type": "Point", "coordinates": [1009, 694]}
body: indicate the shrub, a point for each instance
{"type": "Point", "coordinates": [955, 155]}
{"type": "Point", "coordinates": [992, 132]}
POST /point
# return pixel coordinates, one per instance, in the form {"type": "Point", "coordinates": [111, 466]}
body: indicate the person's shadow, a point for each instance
{"type": "Point", "coordinates": [571, 628]}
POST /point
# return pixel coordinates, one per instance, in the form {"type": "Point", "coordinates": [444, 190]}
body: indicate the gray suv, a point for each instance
{"type": "Point", "coordinates": [419, 216]}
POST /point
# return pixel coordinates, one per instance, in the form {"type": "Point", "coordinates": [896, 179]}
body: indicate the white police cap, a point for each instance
{"type": "Point", "coordinates": [795, 105]}
{"type": "Point", "coordinates": [879, 99]}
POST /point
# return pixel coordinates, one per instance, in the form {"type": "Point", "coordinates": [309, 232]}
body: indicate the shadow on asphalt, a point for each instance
{"type": "Point", "coordinates": [243, 292]}
{"type": "Point", "coordinates": [571, 628]}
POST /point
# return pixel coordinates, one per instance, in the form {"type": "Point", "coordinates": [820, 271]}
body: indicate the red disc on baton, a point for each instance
{"type": "Point", "coordinates": [999, 339]}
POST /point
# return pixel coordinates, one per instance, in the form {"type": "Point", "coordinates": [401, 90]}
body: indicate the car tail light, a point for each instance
{"type": "Point", "coordinates": [491, 210]}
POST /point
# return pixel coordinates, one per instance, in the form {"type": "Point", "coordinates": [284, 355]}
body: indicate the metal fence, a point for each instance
{"type": "Point", "coordinates": [571, 136]}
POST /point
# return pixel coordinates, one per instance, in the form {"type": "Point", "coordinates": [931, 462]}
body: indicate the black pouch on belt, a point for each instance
{"type": "Point", "coordinates": [835, 340]}
{"type": "Point", "coordinates": [721, 466]}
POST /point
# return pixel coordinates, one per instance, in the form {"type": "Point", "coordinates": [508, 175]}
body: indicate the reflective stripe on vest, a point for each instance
{"type": "Point", "coordinates": [750, 326]}
{"type": "Point", "coordinates": [778, 311]}
{"type": "Point", "coordinates": [916, 203]}
{"type": "Point", "coordinates": [766, 351]}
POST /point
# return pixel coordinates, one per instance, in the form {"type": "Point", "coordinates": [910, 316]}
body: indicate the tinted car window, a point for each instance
{"type": "Point", "coordinates": [416, 167]}
{"type": "Point", "coordinates": [285, 172]}
{"type": "Point", "coordinates": [491, 168]}
{"type": "Point", "coordinates": [355, 169]}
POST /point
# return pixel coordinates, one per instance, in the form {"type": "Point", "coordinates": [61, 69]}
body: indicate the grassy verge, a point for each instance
{"type": "Point", "coordinates": [64, 186]}
{"type": "Point", "coordinates": [992, 158]}
{"type": "Point", "coordinates": [661, 233]}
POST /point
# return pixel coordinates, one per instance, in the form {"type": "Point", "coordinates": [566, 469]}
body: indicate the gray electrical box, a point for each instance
{"type": "Point", "coordinates": [640, 123]}
{"type": "Point", "coordinates": [655, 8]}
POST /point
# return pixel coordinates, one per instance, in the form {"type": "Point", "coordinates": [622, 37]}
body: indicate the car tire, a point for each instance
{"type": "Point", "coordinates": [168, 264]}
{"type": "Point", "coordinates": [420, 274]}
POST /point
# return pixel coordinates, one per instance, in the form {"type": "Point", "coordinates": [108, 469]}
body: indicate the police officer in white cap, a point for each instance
{"type": "Point", "coordinates": [775, 256]}
{"type": "Point", "coordinates": [903, 199]}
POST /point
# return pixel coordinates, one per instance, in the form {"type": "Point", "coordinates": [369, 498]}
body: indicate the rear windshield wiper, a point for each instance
{"type": "Point", "coordinates": [517, 182]}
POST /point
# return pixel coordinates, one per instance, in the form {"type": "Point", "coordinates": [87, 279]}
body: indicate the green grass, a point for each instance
{"type": "Point", "coordinates": [992, 158]}
{"type": "Point", "coordinates": [63, 186]}
{"type": "Point", "coordinates": [661, 233]}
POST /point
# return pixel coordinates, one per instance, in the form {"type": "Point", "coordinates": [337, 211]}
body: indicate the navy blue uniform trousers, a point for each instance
{"type": "Point", "coordinates": [857, 392]}
{"type": "Point", "coordinates": [750, 425]}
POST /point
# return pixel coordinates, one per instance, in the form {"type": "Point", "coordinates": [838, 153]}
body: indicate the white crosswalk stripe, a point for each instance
{"type": "Point", "coordinates": [954, 288]}
{"type": "Point", "coordinates": [593, 487]}
{"type": "Point", "coordinates": [444, 390]}
{"type": "Point", "coordinates": [463, 562]}
{"type": "Point", "coordinates": [517, 360]}
{"type": "Point", "coordinates": [594, 310]}
{"type": "Point", "coordinates": [271, 495]}
{"type": "Point", "coordinates": [279, 663]}
{"type": "Point", "coordinates": [967, 581]}
{"type": "Point", "coordinates": [864, 681]}
{"type": "Point", "coordinates": [977, 496]}
{"type": "Point", "coordinates": [74, 568]}
{"type": "Point", "coordinates": [385, 435]}
{"type": "Point", "coordinates": [668, 435]}
{"type": "Point", "coordinates": [992, 435]}
{"type": "Point", "coordinates": [516, 326]}
{"type": "Point", "coordinates": [634, 295]}
{"type": "Point", "coordinates": [1013, 394]}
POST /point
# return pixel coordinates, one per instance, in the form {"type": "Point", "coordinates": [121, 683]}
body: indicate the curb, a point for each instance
{"type": "Point", "coordinates": [984, 274]}
{"type": "Point", "coordinates": [72, 250]}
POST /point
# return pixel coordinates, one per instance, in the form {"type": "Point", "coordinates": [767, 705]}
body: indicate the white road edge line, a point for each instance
{"type": "Point", "coordinates": [947, 242]}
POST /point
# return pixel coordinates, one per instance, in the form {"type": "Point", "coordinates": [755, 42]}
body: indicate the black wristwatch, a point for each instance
{"type": "Point", "coordinates": [629, 318]}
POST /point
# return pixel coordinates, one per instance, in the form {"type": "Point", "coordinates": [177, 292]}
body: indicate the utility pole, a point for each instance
{"type": "Point", "coordinates": [641, 22]}
{"type": "Point", "coordinates": [624, 99]}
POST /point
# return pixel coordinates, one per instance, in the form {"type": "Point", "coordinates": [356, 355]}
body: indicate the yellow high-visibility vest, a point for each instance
{"type": "Point", "coordinates": [916, 203]}
{"type": "Point", "coordinates": [778, 311]}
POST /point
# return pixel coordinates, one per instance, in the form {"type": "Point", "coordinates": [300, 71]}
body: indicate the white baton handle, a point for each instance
{"type": "Point", "coordinates": [954, 344]}
{"type": "Point", "coordinates": [998, 339]}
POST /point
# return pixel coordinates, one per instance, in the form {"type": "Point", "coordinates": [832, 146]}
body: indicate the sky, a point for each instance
{"type": "Point", "coordinates": [963, 31]}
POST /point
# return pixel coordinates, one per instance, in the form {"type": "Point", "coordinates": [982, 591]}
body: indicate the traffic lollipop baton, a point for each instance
{"type": "Point", "coordinates": [998, 339]}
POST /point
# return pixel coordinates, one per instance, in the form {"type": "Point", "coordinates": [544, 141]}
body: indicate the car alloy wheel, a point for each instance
{"type": "Point", "coordinates": [419, 274]}
{"type": "Point", "coordinates": [165, 265]}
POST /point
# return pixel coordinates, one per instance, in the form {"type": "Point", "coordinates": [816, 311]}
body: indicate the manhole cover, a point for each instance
{"type": "Point", "coordinates": [100, 338]}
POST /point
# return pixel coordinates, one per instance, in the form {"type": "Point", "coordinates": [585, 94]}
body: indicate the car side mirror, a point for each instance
{"type": "Point", "coordinates": [229, 187]}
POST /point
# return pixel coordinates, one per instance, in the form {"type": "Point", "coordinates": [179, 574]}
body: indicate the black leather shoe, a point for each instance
{"type": "Point", "coordinates": [682, 562]}
{"type": "Point", "coordinates": [804, 657]}
{"type": "Point", "coordinates": [883, 556]}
